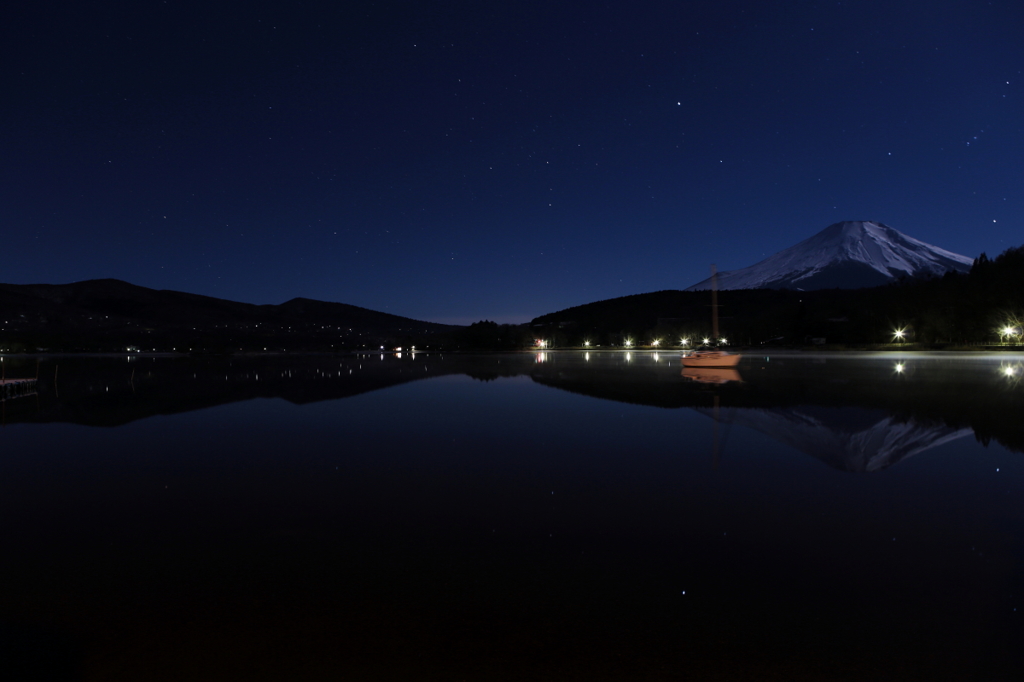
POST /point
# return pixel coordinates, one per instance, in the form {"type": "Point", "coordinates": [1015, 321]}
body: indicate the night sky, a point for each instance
{"type": "Point", "coordinates": [457, 161]}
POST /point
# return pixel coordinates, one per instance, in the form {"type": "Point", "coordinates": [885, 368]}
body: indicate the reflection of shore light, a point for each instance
{"type": "Point", "coordinates": [900, 367]}
{"type": "Point", "coordinates": [586, 356]}
{"type": "Point", "coordinates": [629, 356]}
{"type": "Point", "coordinates": [655, 357]}
{"type": "Point", "coordinates": [542, 357]}
{"type": "Point", "coordinates": [1013, 373]}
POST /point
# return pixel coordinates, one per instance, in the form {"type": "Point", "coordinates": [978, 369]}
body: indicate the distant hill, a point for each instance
{"type": "Point", "coordinates": [109, 314]}
{"type": "Point", "coordinates": [847, 255]}
{"type": "Point", "coordinates": [669, 315]}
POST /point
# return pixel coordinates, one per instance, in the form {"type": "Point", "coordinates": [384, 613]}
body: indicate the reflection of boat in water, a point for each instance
{"type": "Point", "coordinates": [711, 375]}
{"type": "Point", "coordinates": [711, 359]}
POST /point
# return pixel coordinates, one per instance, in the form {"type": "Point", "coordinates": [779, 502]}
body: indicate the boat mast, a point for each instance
{"type": "Point", "coordinates": [714, 303]}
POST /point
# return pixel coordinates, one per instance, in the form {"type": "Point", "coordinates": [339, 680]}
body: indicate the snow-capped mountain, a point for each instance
{"type": "Point", "coordinates": [846, 255]}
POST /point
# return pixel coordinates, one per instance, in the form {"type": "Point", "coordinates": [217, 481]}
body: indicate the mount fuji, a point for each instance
{"type": "Point", "coordinates": [847, 255]}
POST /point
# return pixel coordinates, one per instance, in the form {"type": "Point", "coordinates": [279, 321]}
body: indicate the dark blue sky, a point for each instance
{"type": "Point", "coordinates": [458, 161]}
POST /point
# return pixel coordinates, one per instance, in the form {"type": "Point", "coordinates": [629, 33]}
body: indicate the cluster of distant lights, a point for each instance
{"type": "Point", "coordinates": [630, 343]}
{"type": "Point", "coordinates": [1014, 371]}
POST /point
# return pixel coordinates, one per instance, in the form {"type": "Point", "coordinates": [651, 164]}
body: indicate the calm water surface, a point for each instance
{"type": "Point", "coordinates": [505, 517]}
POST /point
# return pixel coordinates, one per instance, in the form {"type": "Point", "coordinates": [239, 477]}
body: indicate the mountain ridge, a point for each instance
{"type": "Point", "coordinates": [94, 313]}
{"type": "Point", "coordinates": [852, 254]}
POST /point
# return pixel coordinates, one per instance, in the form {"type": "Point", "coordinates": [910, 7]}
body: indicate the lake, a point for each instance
{"type": "Point", "coordinates": [554, 516]}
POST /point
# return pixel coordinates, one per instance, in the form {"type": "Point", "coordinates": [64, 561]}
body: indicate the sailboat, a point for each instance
{"type": "Point", "coordinates": [712, 358]}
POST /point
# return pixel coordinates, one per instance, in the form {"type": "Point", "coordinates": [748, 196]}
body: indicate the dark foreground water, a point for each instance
{"type": "Point", "coordinates": [514, 517]}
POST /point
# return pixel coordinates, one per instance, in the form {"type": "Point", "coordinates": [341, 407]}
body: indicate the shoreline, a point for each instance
{"type": "Point", "coordinates": [773, 350]}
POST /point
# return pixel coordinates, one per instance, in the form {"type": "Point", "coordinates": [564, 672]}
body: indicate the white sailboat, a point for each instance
{"type": "Point", "coordinates": [712, 358]}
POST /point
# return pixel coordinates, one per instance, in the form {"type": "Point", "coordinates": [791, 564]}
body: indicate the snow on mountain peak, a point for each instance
{"type": "Point", "coordinates": [847, 255]}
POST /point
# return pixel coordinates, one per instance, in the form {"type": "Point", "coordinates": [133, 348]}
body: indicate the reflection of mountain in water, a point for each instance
{"type": "Point", "coordinates": [108, 391]}
{"type": "Point", "coordinates": [854, 413]}
{"type": "Point", "coordinates": [939, 395]}
{"type": "Point", "coordinates": [849, 438]}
